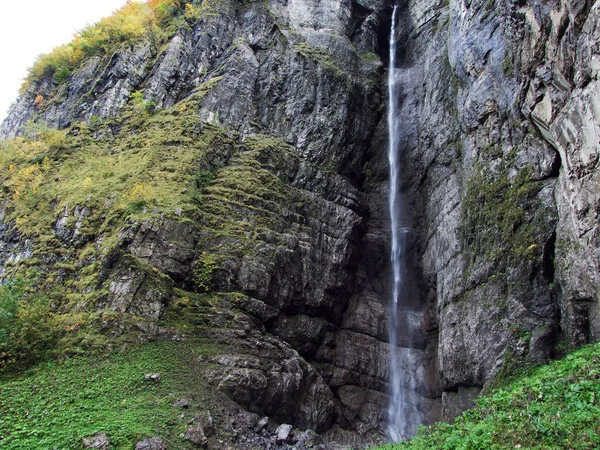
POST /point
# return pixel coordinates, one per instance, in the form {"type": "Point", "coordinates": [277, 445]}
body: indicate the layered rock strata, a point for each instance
{"type": "Point", "coordinates": [499, 153]}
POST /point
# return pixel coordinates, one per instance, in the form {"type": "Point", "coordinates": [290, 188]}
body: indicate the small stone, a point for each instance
{"type": "Point", "coordinates": [178, 212]}
{"type": "Point", "coordinates": [283, 432]}
{"type": "Point", "coordinates": [205, 421]}
{"type": "Point", "coordinates": [98, 441]}
{"type": "Point", "coordinates": [196, 436]}
{"type": "Point", "coordinates": [152, 377]}
{"type": "Point", "coordinates": [245, 421]}
{"type": "Point", "coordinates": [308, 439]}
{"type": "Point", "coordinates": [262, 424]}
{"type": "Point", "coordinates": [182, 403]}
{"type": "Point", "coordinates": [154, 443]}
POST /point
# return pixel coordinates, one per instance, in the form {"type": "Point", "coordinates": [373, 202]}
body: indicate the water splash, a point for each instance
{"type": "Point", "coordinates": [403, 413]}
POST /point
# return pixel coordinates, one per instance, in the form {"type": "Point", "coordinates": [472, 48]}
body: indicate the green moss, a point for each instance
{"type": "Point", "coordinates": [322, 58]}
{"type": "Point", "coordinates": [144, 168]}
{"type": "Point", "coordinates": [507, 65]}
{"type": "Point", "coordinates": [133, 169]}
{"type": "Point", "coordinates": [189, 312]}
{"type": "Point", "coordinates": [248, 197]}
{"type": "Point", "coordinates": [370, 57]}
{"type": "Point", "coordinates": [494, 216]}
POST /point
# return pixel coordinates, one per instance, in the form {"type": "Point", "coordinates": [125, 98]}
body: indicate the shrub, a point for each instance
{"type": "Point", "coordinates": [203, 178]}
{"type": "Point", "coordinates": [147, 106]}
{"type": "Point", "coordinates": [203, 272]}
{"type": "Point", "coordinates": [27, 328]}
{"type": "Point", "coordinates": [138, 197]}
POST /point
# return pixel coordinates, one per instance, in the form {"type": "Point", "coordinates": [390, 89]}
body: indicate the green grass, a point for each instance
{"type": "Point", "coordinates": [56, 404]}
{"type": "Point", "coordinates": [556, 406]}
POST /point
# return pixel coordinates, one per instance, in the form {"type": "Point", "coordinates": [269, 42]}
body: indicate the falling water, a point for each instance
{"type": "Point", "coordinates": [403, 414]}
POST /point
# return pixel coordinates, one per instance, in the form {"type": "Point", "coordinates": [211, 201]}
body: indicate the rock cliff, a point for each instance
{"type": "Point", "coordinates": [267, 132]}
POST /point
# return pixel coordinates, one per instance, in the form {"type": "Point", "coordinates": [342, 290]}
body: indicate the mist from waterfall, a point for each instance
{"type": "Point", "coordinates": [403, 413]}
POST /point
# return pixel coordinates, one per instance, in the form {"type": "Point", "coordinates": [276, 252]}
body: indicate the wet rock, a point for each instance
{"type": "Point", "coordinates": [454, 403]}
{"type": "Point", "coordinates": [271, 378]}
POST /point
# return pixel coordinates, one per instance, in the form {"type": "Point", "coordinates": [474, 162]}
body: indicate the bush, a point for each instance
{"type": "Point", "coordinates": [203, 272]}
{"type": "Point", "coordinates": [27, 329]}
{"type": "Point", "coordinates": [202, 178]}
{"type": "Point", "coordinates": [138, 102]}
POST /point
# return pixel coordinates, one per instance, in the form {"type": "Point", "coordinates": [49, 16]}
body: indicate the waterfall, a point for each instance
{"type": "Point", "coordinates": [403, 413]}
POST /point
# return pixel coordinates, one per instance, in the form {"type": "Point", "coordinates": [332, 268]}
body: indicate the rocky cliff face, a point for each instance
{"type": "Point", "coordinates": [285, 104]}
{"type": "Point", "coordinates": [491, 89]}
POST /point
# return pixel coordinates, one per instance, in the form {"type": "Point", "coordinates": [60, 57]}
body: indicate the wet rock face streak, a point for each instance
{"type": "Point", "coordinates": [498, 103]}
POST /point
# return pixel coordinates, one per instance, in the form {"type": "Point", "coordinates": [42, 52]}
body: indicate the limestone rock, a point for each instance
{"type": "Point", "coordinates": [97, 441]}
{"type": "Point", "coordinates": [154, 443]}
{"type": "Point", "coordinates": [196, 436]}
{"type": "Point", "coordinates": [283, 432]}
{"type": "Point", "coordinates": [182, 403]}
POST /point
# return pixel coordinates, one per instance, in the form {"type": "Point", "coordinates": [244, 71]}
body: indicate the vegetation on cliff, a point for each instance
{"type": "Point", "coordinates": [555, 406]}
{"type": "Point", "coordinates": [71, 198]}
{"type": "Point", "coordinates": [156, 20]}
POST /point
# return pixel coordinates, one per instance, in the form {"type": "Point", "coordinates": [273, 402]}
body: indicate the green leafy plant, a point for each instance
{"type": "Point", "coordinates": [139, 103]}
{"type": "Point", "coordinates": [203, 272]}
{"type": "Point", "coordinates": [203, 178]}
{"type": "Point", "coordinates": [27, 328]}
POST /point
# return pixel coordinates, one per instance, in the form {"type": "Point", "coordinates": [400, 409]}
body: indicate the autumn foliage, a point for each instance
{"type": "Point", "coordinates": [127, 25]}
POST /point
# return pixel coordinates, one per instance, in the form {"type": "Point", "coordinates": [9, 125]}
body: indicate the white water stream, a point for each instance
{"type": "Point", "coordinates": [403, 413]}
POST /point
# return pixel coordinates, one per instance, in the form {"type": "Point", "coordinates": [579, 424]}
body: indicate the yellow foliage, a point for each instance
{"type": "Point", "coordinates": [128, 24]}
{"type": "Point", "coordinates": [26, 179]}
{"type": "Point", "coordinates": [39, 100]}
{"type": "Point", "coordinates": [48, 137]}
{"type": "Point", "coordinates": [192, 11]}
{"type": "Point", "coordinates": [131, 23]}
{"type": "Point", "coordinates": [163, 8]}
{"type": "Point", "coordinates": [47, 63]}
{"type": "Point", "coordinates": [140, 192]}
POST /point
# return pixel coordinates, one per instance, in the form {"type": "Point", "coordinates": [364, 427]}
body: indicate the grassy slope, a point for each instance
{"type": "Point", "coordinates": [556, 406]}
{"type": "Point", "coordinates": [56, 404]}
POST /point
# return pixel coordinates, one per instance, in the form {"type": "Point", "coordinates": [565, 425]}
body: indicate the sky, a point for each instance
{"type": "Point", "coordinates": [31, 27]}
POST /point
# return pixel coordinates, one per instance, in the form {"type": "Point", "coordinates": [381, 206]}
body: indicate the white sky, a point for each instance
{"type": "Point", "coordinates": [31, 27]}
